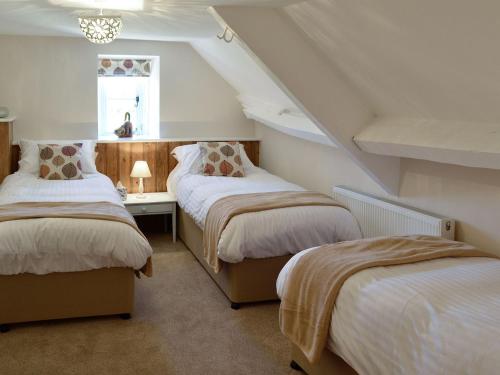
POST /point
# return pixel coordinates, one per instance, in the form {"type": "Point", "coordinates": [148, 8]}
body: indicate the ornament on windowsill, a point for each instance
{"type": "Point", "coordinates": [125, 131]}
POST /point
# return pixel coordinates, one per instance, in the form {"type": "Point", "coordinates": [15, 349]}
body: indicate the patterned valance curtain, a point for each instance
{"type": "Point", "coordinates": [124, 68]}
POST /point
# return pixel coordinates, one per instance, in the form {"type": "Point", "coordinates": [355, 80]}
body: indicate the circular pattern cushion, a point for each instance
{"type": "Point", "coordinates": [61, 162]}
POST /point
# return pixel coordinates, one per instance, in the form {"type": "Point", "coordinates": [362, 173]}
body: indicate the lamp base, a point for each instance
{"type": "Point", "coordinates": [141, 189]}
{"type": "Point", "coordinates": [141, 196]}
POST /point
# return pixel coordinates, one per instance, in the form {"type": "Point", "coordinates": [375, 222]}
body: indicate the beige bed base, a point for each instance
{"type": "Point", "coordinates": [253, 280]}
{"type": "Point", "coordinates": [329, 364]}
{"type": "Point", "coordinates": [29, 297]}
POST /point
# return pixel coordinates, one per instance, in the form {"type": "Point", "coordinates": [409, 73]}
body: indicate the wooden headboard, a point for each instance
{"type": "Point", "coordinates": [116, 159]}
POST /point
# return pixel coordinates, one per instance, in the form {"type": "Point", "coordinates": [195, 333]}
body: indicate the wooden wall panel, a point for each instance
{"type": "Point", "coordinates": [5, 149]}
{"type": "Point", "coordinates": [15, 156]}
{"type": "Point", "coordinates": [162, 161]}
{"type": "Point", "coordinates": [149, 152]}
{"type": "Point", "coordinates": [116, 160]}
{"type": "Point", "coordinates": [127, 160]}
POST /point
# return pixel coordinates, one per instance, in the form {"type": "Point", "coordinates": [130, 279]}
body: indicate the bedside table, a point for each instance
{"type": "Point", "coordinates": [153, 204]}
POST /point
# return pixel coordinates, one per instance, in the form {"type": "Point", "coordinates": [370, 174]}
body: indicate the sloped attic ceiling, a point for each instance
{"type": "Point", "coordinates": [430, 70]}
{"type": "Point", "coordinates": [309, 80]}
{"type": "Point", "coordinates": [427, 73]}
{"type": "Point", "coordinates": [420, 59]}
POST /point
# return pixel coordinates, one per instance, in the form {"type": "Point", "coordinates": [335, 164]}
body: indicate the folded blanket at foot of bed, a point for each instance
{"type": "Point", "coordinates": [312, 287]}
{"type": "Point", "coordinates": [72, 210]}
{"type": "Point", "coordinates": [223, 210]}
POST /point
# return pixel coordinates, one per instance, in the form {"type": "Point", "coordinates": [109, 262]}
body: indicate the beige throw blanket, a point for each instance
{"type": "Point", "coordinates": [74, 210]}
{"type": "Point", "coordinates": [315, 281]}
{"type": "Point", "coordinates": [223, 210]}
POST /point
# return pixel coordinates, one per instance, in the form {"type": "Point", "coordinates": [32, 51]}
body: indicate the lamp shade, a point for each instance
{"type": "Point", "coordinates": [100, 29]}
{"type": "Point", "coordinates": [140, 169]}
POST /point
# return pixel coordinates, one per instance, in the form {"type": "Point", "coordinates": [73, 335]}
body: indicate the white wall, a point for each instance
{"type": "Point", "coordinates": [50, 84]}
{"type": "Point", "coordinates": [469, 195]}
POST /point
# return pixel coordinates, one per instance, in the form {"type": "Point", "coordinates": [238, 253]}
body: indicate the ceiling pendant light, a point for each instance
{"type": "Point", "coordinates": [100, 29]}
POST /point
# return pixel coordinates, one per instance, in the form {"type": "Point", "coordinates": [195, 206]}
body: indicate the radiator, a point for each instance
{"type": "Point", "coordinates": [379, 217]}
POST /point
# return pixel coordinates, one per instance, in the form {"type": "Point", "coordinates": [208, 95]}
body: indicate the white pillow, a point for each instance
{"type": "Point", "coordinates": [181, 152]}
{"type": "Point", "coordinates": [189, 158]}
{"type": "Point", "coordinates": [189, 162]}
{"type": "Point", "coordinates": [30, 159]}
{"type": "Point", "coordinates": [247, 163]}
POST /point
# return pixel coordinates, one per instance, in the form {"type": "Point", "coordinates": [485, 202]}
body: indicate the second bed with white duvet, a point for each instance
{"type": "Point", "coordinates": [262, 234]}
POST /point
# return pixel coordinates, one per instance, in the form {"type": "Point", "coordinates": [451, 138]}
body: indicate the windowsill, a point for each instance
{"type": "Point", "coordinates": [135, 138]}
{"type": "Point", "coordinates": [114, 139]}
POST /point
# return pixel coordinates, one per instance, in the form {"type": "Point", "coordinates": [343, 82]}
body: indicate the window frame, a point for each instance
{"type": "Point", "coordinates": [151, 129]}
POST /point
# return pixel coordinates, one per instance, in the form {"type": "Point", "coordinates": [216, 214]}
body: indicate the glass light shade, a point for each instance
{"type": "Point", "coordinates": [100, 29]}
{"type": "Point", "coordinates": [140, 169]}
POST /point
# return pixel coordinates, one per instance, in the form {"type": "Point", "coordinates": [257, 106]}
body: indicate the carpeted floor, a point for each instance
{"type": "Point", "coordinates": [182, 325]}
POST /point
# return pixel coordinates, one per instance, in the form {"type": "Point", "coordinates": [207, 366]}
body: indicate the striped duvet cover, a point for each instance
{"type": "Point", "coordinates": [434, 317]}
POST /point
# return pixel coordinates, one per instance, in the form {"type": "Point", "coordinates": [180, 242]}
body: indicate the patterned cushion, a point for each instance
{"type": "Point", "coordinates": [221, 159]}
{"type": "Point", "coordinates": [61, 162]}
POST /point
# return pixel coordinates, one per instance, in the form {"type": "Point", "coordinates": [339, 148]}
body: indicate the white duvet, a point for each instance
{"type": "Point", "coordinates": [42, 246]}
{"type": "Point", "coordinates": [267, 233]}
{"type": "Point", "coordinates": [434, 317]}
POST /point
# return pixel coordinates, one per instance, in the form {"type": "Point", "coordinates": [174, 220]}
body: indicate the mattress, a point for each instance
{"type": "Point", "coordinates": [263, 234]}
{"type": "Point", "coordinates": [42, 246]}
{"type": "Point", "coordinates": [435, 317]}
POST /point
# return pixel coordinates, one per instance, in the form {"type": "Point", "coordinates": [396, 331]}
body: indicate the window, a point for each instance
{"type": "Point", "coordinates": [128, 86]}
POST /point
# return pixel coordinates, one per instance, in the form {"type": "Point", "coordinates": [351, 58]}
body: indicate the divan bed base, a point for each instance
{"type": "Point", "coordinates": [253, 280]}
{"type": "Point", "coordinates": [28, 297]}
{"type": "Point", "coordinates": [330, 363]}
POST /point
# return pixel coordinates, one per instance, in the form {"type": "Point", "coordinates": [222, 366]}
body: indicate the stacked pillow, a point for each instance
{"type": "Point", "coordinates": [190, 158]}
{"type": "Point", "coordinates": [190, 161]}
{"type": "Point", "coordinates": [32, 158]}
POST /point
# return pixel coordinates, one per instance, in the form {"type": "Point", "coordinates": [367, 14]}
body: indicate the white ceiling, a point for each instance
{"type": "Point", "coordinates": [159, 20]}
{"type": "Point", "coordinates": [419, 58]}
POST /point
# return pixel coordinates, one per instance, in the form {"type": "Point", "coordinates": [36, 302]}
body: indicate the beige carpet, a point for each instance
{"type": "Point", "coordinates": [182, 325]}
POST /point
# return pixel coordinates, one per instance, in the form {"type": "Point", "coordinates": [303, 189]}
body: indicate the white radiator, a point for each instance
{"type": "Point", "coordinates": [378, 217]}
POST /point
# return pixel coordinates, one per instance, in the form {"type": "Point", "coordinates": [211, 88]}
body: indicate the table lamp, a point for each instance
{"type": "Point", "coordinates": [141, 171]}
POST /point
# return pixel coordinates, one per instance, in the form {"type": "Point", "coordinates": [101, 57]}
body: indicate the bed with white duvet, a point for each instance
{"type": "Point", "coordinates": [434, 317]}
{"type": "Point", "coordinates": [47, 245]}
{"type": "Point", "coordinates": [262, 234]}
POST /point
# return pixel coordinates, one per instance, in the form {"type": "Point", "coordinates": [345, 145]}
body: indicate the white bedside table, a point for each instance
{"type": "Point", "coordinates": [153, 204]}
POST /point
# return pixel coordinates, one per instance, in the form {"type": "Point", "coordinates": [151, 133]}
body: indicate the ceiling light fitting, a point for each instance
{"type": "Point", "coordinates": [100, 29]}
